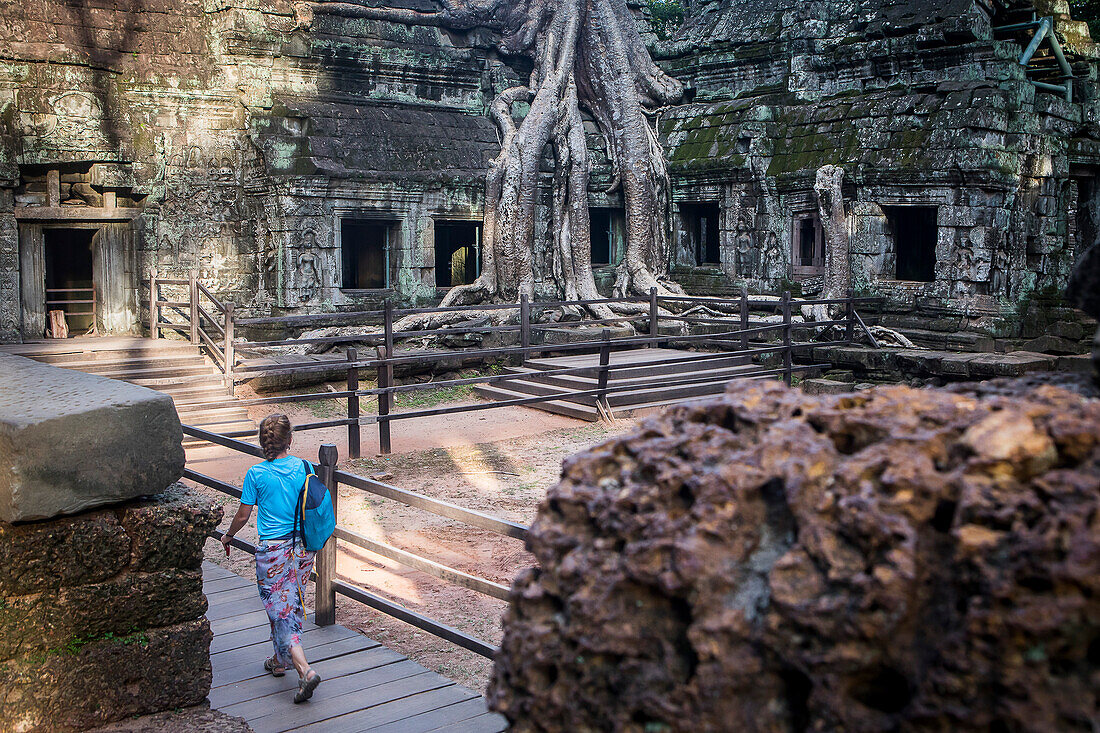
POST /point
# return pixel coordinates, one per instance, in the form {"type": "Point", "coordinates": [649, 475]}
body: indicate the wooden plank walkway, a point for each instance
{"type": "Point", "coordinates": [366, 686]}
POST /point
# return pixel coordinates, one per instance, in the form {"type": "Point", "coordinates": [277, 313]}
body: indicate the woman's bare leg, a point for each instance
{"type": "Point", "coordinates": [298, 656]}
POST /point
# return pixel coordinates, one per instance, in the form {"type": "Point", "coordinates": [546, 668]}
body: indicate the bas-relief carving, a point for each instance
{"type": "Point", "coordinates": [308, 270]}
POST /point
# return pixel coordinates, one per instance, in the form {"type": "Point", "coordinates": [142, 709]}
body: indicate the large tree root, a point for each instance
{"type": "Point", "coordinates": [588, 58]}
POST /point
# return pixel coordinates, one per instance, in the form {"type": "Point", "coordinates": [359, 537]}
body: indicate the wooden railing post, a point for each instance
{"type": "Point", "coordinates": [384, 374]}
{"type": "Point", "coordinates": [324, 601]}
{"type": "Point", "coordinates": [787, 352]}
{"type": "Point", "coordinates": [605, 359]}
{"type": "Point", "coordinates": [850, 326]}
{"type": "Point", "coordinates": [387, 324]}
{"type": "Point", "coordinates": [353, 404]}
{"type": "Point", "coordinates": [154, 309]}
{"type": "Point", "coordinates": [654, 315]}
{"type": "Point", "coordinates": [744, 318]}
{"type": "Point", "coordinates": [524, 324]}
{"type": "Point", "coordinates": [193, 289]}
{"type": "Point", "coordinates": [385, 378]}
{"type": "Point", "coordinates": [229, 357]}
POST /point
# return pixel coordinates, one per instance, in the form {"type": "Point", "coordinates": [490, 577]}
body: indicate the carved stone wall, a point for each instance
{"type": "Point", "coordinates": [924, 104]}
{"type": "Point", "coordinates": [226, 138]}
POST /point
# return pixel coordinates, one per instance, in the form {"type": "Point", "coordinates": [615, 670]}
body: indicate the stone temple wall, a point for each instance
{"type": "Point", "coordinates": [923, 104]}
{"type": "Point", "coordinates": [230, 139]}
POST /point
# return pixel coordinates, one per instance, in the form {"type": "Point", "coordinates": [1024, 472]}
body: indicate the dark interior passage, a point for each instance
{"type": "Point", "coordinates": [914, 232]}
{"type": "Point", "coordinates": [700, 220]}
{"type": "Point", "coordinates": [363, 252]}
{"type": "Point", "coordinates": [457, 253]}
{"type": "Point", "coordinates": [607, 226]}
{"type": "Point", "coordinates": [68, 260]}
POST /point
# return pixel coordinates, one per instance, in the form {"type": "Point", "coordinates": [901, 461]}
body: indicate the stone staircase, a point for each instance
{"type": "Point", "coordinates": [643, 384]}
{"type": "Point", "coordinates": [176, 368]}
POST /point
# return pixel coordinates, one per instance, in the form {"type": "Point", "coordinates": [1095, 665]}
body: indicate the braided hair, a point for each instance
{"type": "Point", "coordinates": [275, 432]}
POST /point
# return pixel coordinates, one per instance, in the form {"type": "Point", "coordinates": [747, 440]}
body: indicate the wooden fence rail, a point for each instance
{"type": "Point", "coordinates": [328, 586]}
{"type": "Point", "coordinates": [210, 324]}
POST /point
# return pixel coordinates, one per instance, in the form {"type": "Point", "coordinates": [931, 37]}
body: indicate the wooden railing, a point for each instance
{"type": "Point", "coordinates": [209, 327]}
{"type": "Point", "coordinates": [738, 337]}
{"type": "Point", "coordinates": [328, 586]}
{"type": "Point", "coordinates": [68, 297]}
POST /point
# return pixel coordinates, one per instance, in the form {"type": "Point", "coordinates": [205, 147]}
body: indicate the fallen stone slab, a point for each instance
{"type": "Point", "coordinates": [71, 441]}
{"type": "Point", "coordinates": [825, 386]}
{"type": "Point", "coordinates": [1014, 364]}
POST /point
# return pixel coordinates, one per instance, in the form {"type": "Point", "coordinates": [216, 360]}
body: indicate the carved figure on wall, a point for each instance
{"type": "Point", "coordinates": [309, 267]}
{"type": "Point", "coordinates": [745, 254]}
{"type": "Point", "coordinates": [309, 276]}
{"type": "Point", "coordinates": [773, 257]}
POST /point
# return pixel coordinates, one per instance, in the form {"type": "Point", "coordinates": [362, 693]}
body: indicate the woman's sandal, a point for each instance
{"type": "Point", "coordinates": [273, 667]}
{"type": "Point", "coordinates": [307, 686]}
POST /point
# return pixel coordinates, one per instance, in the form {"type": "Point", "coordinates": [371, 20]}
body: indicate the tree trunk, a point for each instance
{"type": "Point", "coordinates": [587, 56]}
{"type": "Point", "coordinates": [834, 224]}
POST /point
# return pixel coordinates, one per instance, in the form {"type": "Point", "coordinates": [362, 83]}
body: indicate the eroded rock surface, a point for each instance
{"type": "Point", "coordinates": [897, 559]}
{"type": "Point", "coordinates": [102, 614]}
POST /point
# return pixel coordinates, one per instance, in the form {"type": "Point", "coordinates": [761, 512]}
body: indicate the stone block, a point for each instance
{"type": "Point", "coordinates": [169, 529]}
{"type": "Point", "coordinates": [824, 386]}
{"type": "Point", "coordinates": [44, 556]}
{"type": "Point", "coordinates": [1048, 344]}
{"type": "Point", "coordinates": [71, 441]}
{"type": "Point", "coordinates": [41, 622]}
{"type": "Point", "coordinates": [92, 683]}
{"type": "Point", "coordinates": [1013, 364]}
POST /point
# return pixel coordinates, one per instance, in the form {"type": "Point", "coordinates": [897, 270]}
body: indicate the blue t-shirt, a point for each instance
{"type": "Point", "coordinates": [273, 487]}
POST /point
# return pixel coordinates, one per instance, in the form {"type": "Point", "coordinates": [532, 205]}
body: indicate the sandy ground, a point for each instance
{"type": "Point", "coordinates": [499, 461]}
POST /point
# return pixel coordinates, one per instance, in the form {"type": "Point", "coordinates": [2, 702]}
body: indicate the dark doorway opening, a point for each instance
{"type": "Point", "coordinates": [364, 251]}
{"type": "Point", "coordinates": [606, 226]}
{"type": "Point", "coordinates": [809, 245]}
{"type": "Point", "coordinates": [700, 221]}
{"type": "Point", "coordinates": [457, 253]}
{"type": "Point", "coordinates": [914, 232]}
{"type": "Point", "coordinates": [69, 279]}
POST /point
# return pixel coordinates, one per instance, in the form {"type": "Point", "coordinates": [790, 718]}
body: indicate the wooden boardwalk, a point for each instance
{"type": "Point", "coordinates": [366, 686]}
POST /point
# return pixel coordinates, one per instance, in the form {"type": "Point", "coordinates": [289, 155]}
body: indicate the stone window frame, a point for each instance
{"type": "Point", "coordinates": [698, 245]}
{"type": "Point", "coordinates": [393, 222]}
{"type": "Point", "coordinates": [456, 219]}
{"type": "Point", "coordinates": [797, 217]}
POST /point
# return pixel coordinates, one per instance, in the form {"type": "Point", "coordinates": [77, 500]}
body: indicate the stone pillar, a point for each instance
{"type": "Point", "coordinates": [102, 612]}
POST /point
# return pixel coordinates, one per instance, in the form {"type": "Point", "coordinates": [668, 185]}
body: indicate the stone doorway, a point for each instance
{"type": "Point", "coordinates": [61, 261]}
{"type": "Point", "coordinates": [69, 285]}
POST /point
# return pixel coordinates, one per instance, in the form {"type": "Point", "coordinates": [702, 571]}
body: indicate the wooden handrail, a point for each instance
{"type": "Point", "coordinates": [327, 586]}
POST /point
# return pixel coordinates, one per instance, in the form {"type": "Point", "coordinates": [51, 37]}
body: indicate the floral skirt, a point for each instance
{"type": "Point", "coordinates": [281, 573]}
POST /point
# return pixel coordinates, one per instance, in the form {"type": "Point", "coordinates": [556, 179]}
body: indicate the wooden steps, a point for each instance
{"type": "Point", "coordinates": [176, 368]}
{"type": "Point", "coordinates": [640, 384]}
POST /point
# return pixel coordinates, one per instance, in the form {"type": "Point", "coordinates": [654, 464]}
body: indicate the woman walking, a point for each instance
{"type": "Point", "coordinates": [283, 564]}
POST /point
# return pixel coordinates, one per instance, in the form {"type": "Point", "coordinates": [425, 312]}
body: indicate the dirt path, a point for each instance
{"type": "Point", "coordinates": [499, 461]}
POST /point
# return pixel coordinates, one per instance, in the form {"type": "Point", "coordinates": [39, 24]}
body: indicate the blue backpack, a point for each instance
{"type": "Point", "coordinates": [314, 517]}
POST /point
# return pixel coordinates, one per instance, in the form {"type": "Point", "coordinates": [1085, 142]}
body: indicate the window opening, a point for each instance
{"type": "Point", "coordinates": [808, 241]}
{"type": "Point", "coordinates": [457, 253]}
{"type": "Point", "coordinates": [607, 226]}
{"type": "Point", "coordinates": [914, 232]}
{"type": "Point", "coordinates": [700, 220]}
{"type": "Point", "coordinates": [68, 254]}
{"type": "Point", "coordinates": [364, 252]}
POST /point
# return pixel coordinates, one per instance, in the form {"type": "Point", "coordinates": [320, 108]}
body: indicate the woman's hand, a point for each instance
{"type": "Point", "coordinates": [244, 511]}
